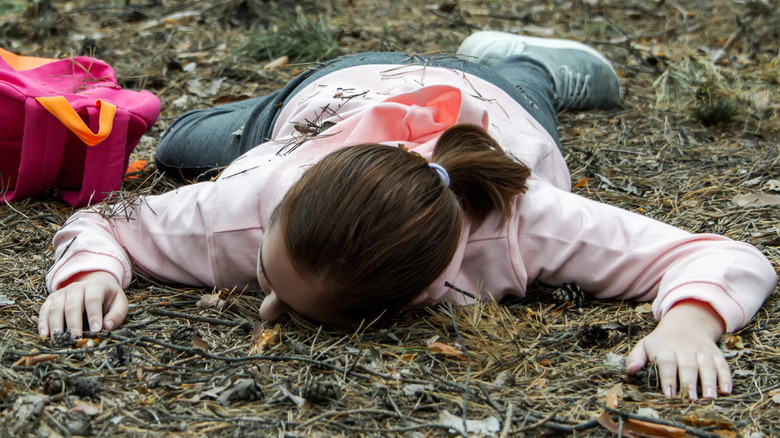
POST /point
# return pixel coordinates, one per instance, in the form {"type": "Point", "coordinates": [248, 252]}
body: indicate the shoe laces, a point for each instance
{"type": "Point", "coordinates": [574, 88]}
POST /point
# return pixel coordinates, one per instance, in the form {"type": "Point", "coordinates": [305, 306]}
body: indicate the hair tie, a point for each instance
{"type": "Point", "coordinates": [442, 172]}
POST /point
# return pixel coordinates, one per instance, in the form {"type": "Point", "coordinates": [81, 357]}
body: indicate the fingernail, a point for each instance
{"type": "Point", "coordinates": [726, 389]}
{"type": "Point", "coordinates": [42, 332]}
{"type": "Point", "coordinates": [95, 327]}
{"type": "Point", "coordinates": [710, 393]}
{"type": "Point", "coordinates": [668, 391]}
{"type": "Point", "coordinates": [109, 325]}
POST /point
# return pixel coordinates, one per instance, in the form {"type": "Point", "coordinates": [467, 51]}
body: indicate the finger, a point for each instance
{"type": "Point", "coordinates": [74, 311]}
{"type": "Point", "coordinates": [637, 358]}
{"type": "Point", "coordinates": [57, 312]}
{"type": "Point", "coordinates": [93, 305]}
{"type": "Point", "coordinates": [43, 318]}
{"type": "Point", "coordinates": [724, 373]}
{"type": "Point", "coordinates": [667, 372]}
{"type": "Point", "coordinates": [688, 371]}
{"type": "Point", "coordinates": [708, 376]}
{"type": "Point", "coordinates": [116, 312]}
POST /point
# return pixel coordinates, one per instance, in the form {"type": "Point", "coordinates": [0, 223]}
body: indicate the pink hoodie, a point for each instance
{"type": "Point", "coordinates": [208, 234]}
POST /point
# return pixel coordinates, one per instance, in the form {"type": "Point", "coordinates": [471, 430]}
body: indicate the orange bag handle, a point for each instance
{"type": "Point", "coordinates": [19, 62]}
{"type": "Point", "coordinates": [60, 108]}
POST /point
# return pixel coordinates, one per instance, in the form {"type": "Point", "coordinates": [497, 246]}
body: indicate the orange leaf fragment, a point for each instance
{"type": "Point", "coordinates": [734, 342]}
{"type": "Point", "coordinates": [262, 337]}
{"type": "Point", "coordinates": [134, 167]}
{"type": "Point", "coordinates": [29, 361]}
{"type": "Point", "coordinates": [89, 343]}
{"type": "Point", "coordinates": [582, 182]}
{"type": "Point", "coordinates": [5, 391]}
{"type": "Point", "coordinates": [447, 350]}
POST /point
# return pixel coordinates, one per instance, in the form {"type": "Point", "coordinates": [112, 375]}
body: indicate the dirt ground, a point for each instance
{"type": "Point", "coordinates": [193, 362]}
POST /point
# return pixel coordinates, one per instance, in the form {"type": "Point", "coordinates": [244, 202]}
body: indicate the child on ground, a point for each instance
{"type": "Point", "coordinates": [365, 184]}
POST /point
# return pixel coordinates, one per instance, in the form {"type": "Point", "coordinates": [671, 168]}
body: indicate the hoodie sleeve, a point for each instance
{"type": "Point", "coordinates": [613, 253]}
{"type": "Point", "coordinates": [164, 236]}
{"type": "Point", "coordinates": [203, 235]}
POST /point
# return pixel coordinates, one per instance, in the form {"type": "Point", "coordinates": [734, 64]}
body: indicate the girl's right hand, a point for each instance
{"type": "Point", "coordinates": [97, 293]}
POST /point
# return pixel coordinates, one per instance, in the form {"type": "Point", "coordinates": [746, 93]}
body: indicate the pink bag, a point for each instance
{"type": "Point", "coordinates": [66, 123]}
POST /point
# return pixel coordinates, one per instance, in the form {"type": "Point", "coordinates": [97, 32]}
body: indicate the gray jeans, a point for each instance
{"type": "Point", "coordinates": [206, 139]}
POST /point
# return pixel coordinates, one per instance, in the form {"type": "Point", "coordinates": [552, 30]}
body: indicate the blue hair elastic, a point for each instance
{"type": "Point", "coordinates": [445, 177]}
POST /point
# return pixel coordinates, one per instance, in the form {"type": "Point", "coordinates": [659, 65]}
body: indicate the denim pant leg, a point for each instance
{"type": "Point", "coordinates": [534, 83]}
{"type": "Point", "coordinates": [211, 138]}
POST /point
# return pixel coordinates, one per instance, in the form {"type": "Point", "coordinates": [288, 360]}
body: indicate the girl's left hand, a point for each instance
{"type": "Point", "coordinates": [684, 348]}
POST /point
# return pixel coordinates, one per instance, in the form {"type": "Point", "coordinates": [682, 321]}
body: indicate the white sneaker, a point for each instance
{"type": "Point", "coordinates": [583, 77]}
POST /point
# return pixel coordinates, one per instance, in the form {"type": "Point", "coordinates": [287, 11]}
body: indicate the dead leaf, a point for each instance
{"type": "Point", "coordinates": [488, 426]}
{"type": "Point", "coordinates": [85, 407]}
{"type": "Point", "coordinates": [447, 350]}
{"type": "Point", "coordinates": [615, 360]}
{"type": "Point", "coordinates": [614, 395]}
{"type": "Point", "coordinates": [755, 200]}
{"type": "Point", "coordinates": [276, 63]}
{"type": "Point", "coordinates": [772, 185]}
{"type": "Point", "coordinates": [640, 429]}
{"type": "Point", "coordinates": [648, 412]}
{"type": "Point", "coordinates": [5, 390]}
{"type": "Point", "coordinates": [180, 18]}
{"type": "Point", "coordinates": [582, 182]}
{"type": "Point", "coordinates": [644, 308]}
{"type": "Point", "coordinates": [211, 300]}
{"type": "Point", "coordinates": [262, 337]}
{"type": "Point", "coordinates": [734, 342]}
{"type": "Point", "coordinates": [708, 419]}
{"type": "Point", "coordinates": [28, 361]}
{"type": "Point", "coordinates": [4, 301]}
{"type": "Point", "coordinates": [647, 429]}
{"type": "Point", "coordinates": [504, 379]}
{"type": "Point", "coordinates": [198, 342]}
{"type": "Point", "coordinates": [29, 406]}
{"type": "Point", "coordinates": [89, 343]}
{"type": "Point", "coordinates": [414, 390]}
{"type": "Point", "coordinates": [240, 390]}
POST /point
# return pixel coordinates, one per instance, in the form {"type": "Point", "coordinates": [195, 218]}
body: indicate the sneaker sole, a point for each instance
{"type": "Point", "coordinates": [489, 36]}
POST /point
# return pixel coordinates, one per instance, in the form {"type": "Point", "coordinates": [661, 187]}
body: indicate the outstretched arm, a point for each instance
{"type": "Point", "coordinates": [165, 237]}
{"type": "Point", "coordinates": [701, 285]}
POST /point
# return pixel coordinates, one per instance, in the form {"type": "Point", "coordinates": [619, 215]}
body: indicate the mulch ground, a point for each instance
{"type": "Point", "coordinates": [194, 362]}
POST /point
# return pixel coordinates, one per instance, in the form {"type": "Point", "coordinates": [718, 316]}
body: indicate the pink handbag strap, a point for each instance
{"type": "Point", "coordinates": [43, 146]}
{"type": "Point", "coordinates": [104, 164]}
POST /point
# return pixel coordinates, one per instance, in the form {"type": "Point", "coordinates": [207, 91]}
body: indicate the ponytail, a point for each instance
{"type": "Point", "coordinates": [379, 224]}
{"type": "Point", "coordinates": [482, 176]}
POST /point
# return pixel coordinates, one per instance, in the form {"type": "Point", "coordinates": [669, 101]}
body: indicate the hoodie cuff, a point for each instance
{"type": "Point", "coordinates": [86, 262]}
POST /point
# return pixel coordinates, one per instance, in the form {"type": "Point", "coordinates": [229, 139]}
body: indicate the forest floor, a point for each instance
{"type": "Point", "coordinates": [695, 142]}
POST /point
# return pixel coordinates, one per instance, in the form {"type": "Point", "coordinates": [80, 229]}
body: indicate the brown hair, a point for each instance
{"type": "Point", "coordinates": [379, 225]}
